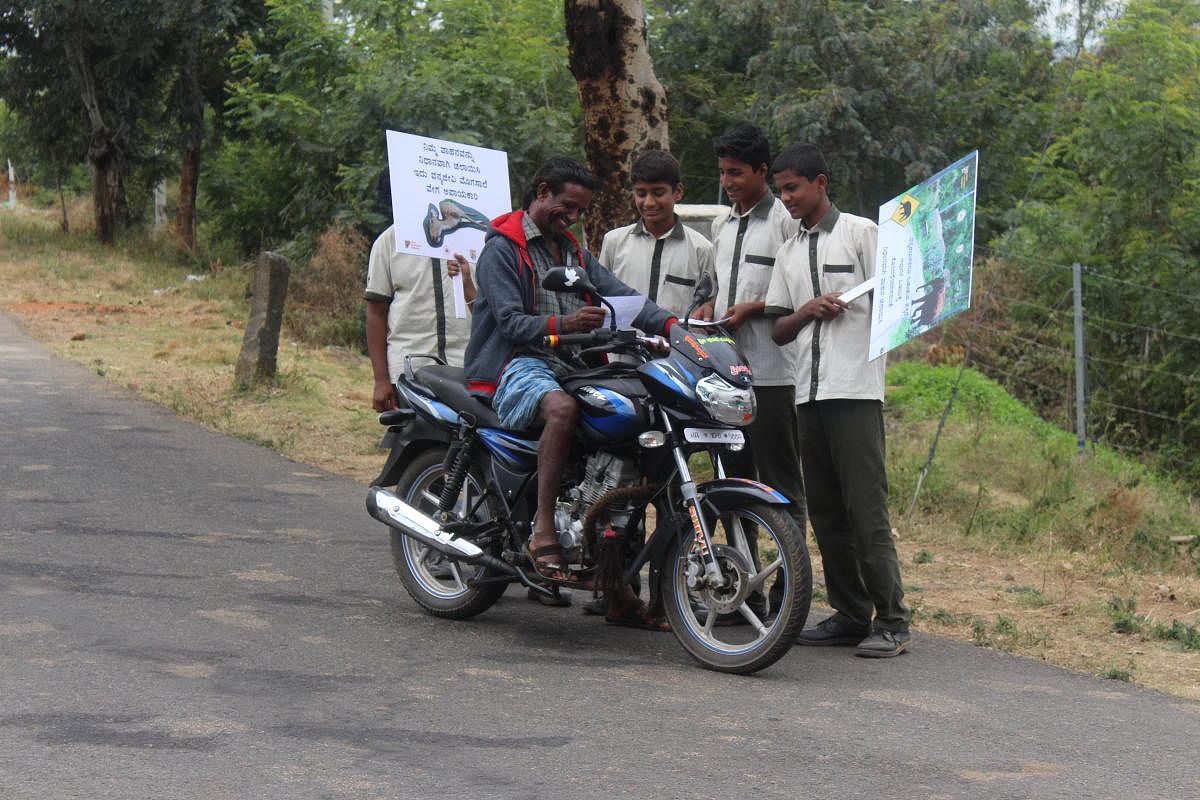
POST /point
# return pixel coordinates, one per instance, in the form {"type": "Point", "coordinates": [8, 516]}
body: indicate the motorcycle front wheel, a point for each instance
{"type": "Point", "coordinates": [440, 585]}
{"type": "Point", "coordinates": [731, 628]}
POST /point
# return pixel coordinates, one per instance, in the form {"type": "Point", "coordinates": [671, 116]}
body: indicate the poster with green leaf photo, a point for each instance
{"type": "Point", "coordinates": [924, 256]}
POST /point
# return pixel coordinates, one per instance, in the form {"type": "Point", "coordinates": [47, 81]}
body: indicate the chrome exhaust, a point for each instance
{"type": "Point", "coordinates": [394, 512]}
{"type": "Point", "coordinates": [391, 510]}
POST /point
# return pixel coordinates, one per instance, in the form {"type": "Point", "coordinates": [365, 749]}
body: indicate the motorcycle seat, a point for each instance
{"type": "Point", "coordinates": [448, 384]}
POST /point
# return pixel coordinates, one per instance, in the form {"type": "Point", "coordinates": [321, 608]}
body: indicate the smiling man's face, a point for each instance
{"type": "Point", "coordinates": [554, 213]}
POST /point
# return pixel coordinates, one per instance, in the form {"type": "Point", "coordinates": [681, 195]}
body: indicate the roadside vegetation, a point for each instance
{"type": "Point", "coordinates": [1015, 543]}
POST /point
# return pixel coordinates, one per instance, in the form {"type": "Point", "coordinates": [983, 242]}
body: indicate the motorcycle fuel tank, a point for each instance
{"type": "Point", "coordinates": [608, 415]}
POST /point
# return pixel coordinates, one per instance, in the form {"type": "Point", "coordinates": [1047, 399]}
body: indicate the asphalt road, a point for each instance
{"type": "Point", "coordinates": [184, 615]}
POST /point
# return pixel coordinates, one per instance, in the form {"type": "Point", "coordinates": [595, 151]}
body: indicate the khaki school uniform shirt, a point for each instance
{"type": "Point", "coordinates": [664, 269]}
{"type": "Point", "coordinates": [744, 248]}
{"type": "Point", "coordinates": [421, 315]}
{"type": "Point", "coordinates": [834, 256]}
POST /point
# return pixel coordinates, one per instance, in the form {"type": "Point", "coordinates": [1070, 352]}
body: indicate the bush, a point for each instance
{"type": "Point", "coordinates": [325, 304]}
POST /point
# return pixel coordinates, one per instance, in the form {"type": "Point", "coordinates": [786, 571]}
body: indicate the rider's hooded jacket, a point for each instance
{"type": "Point", "coordinates": [506, 317]}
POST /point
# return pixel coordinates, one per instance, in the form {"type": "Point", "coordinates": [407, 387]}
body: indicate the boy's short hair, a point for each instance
{"type": "Point", "coordinates": [656, 166]}
{"type": "Point", "coordinates": [805, 160]}
{"type": "Point", "coordinates": [746, 143]}
{"type": "Point", "coordinates": [558, 172]}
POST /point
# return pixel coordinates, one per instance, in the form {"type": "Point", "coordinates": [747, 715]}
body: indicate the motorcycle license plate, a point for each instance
{"type": "Point", "coordinates": [713, 436]}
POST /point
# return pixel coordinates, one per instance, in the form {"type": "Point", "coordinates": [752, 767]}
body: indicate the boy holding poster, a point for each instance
{"type": "Point", "coordinates": [840, 408]}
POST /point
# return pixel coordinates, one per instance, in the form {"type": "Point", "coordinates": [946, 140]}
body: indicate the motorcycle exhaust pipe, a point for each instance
{"type": "Point", "coordinates": [394, 512]}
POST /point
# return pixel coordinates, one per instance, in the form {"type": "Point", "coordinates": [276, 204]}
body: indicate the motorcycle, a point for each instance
{"type": "Point", "coordinates": [465, 491]}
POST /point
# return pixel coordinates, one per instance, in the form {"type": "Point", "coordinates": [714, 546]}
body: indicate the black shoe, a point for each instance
{"type": "Point", "coordinates": [883, 644]}
{"type": "Point", "coordinates": [561, 598]}
{"type": "Point", "coordinates": [835, 630]}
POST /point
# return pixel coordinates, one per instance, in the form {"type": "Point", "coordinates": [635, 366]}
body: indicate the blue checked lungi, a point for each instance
{"type": "Point", "coordinates": [523, 384]}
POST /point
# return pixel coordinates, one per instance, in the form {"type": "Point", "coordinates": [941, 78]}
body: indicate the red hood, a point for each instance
{"type": "Point", "coordinates": [511, 226]}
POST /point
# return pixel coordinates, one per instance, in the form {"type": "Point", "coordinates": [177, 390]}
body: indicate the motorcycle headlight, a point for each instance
{"type": "Point", "coordinates": [726, 402]}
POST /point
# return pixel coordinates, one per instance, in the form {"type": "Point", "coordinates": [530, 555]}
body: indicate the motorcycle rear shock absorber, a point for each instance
{"type": "Point", "coordinates": [456, 474]}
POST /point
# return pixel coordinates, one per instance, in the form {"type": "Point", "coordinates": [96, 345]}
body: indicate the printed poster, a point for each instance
{"type": "Point", "coordinates": [924, 256]}
{"type": "Point", "coordinates": [444, 194]}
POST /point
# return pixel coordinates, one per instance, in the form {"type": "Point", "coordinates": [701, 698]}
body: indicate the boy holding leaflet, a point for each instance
{"type": "Point", "coordinates": [839, 396]}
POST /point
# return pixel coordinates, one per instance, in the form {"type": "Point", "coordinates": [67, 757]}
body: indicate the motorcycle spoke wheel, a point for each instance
{"type": "Point", "coordinates": [732, 628]}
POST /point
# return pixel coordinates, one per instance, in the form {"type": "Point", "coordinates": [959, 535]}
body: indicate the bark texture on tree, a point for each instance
{"type": "Point", "coordinates": [103, 155]}
{"type": "Point", "coordinates": [624, 105]}
{"type": "Point", "coordinates": [185, 214]}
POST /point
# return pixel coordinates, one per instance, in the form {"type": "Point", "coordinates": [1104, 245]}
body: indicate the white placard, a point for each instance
{"type": "Point", "coordinates": [444, 194]}
{"type": "Point", "coordinates": [924, 256]}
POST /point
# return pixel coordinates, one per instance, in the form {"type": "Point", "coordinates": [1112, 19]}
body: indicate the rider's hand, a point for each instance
{"type": "Point", "coordinates": [741, 313]}
{"type": "Point", "coordinates": [384, 398]}
{"type": "Point", "coordinates": [585, 319]}
{"type": "Point", "coordinates": [705, 312]}
{"type": "Point", "coordinates": [827, 306]}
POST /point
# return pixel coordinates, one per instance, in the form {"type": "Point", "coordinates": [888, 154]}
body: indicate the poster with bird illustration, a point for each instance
{"type": "Point", "coordinates": [924, 256]}
{"type": "Point", "coordinates": [444, 194]}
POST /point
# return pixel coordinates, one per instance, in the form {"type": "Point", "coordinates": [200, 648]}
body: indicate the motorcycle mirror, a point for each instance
{"type": "Point", "coordinates": [704, 288]}
{"type": "Point", "coordinates": [568, 279]}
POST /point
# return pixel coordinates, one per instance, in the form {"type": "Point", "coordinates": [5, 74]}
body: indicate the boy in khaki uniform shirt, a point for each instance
{"type": "Point", "coordinates": [658, 255]}
{"type": "Point", "coordinates": [840, 409]}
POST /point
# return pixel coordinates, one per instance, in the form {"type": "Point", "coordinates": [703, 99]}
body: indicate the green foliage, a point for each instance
{"type": "Point", "coordinates": [923, 556]}
{"type": "Point", "coordinates": [1015, 479]}
{"type": "Point", "coordinates": [1027, 596]}
{"type": "Point", "coordinates": [1123, 612]}
{"type": "Point", "coordinates": [310, 102]}
{"type": "Point", "coordinates": [1188, 636]}
{"type": "Point", "coordinates": [1118, 192]}
{"type": "Point", "coordinates": [1115, 673]}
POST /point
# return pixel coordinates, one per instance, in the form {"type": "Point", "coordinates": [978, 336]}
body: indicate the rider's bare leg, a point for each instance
{"type": "Point", "coordinates": [560, 413]}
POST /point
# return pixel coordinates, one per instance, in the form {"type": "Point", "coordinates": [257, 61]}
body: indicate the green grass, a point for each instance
{"type": "Point", "coordinates": [1027, 596]}
{"type": "Point", "coordinates": [1123, 613]}
{"type": "Point", "coordinates": [1015, 480]}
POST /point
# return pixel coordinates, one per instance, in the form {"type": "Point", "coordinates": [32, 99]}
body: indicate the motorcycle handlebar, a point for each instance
{"type": "Point", "coordinates": [599, 336]}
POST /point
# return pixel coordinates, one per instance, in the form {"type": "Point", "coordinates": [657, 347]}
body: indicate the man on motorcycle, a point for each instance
{"type": "Point", "coordinates": [506, 359]}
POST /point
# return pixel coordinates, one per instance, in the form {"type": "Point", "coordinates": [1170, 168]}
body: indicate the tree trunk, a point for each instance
{"type": "Point", "coordinates": [185, 214]}
{"type": "Point", "coordinates": [624, 105]}
{"type": "Point", "coordinates": [108, 196]}
{"type": "Point", "coordinates": [103, 154]}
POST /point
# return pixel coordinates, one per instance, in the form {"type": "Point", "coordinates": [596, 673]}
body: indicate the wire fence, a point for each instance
{"type": "Point", "coordinates": [1022, 357]}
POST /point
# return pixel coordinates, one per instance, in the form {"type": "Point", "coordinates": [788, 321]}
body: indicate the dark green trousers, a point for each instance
{"type": "Point", "coordinates": [842, 449]}
{"type": "Point", "coordinates": [772, 452]}
{"type": "Point", "coordinates": [772, 455]}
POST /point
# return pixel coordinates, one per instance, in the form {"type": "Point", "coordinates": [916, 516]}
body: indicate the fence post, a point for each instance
{"type": "Point", "coordinates": [12, 186]}
{"type": "Point", "coordinates": [160, 203]}
{"type": "Point", "coordinates": [260, 345]}
{"type": "Point", "coordinates": [1080, 360]}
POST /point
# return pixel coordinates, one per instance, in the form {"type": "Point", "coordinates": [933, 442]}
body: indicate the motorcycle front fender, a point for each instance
{"type": "Point", "coordinates": [722, 492]}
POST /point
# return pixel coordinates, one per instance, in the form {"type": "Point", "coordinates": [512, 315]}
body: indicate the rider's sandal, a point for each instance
{"type": "Point", "coordinates": [546, 570]}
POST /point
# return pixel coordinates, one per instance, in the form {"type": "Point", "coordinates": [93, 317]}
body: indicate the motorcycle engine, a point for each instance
{"type": "Point", "coordinates": [602, 473]}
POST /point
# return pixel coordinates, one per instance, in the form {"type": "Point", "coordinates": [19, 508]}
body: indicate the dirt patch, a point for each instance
{"type": "Point", "coordinates": [35, 307]}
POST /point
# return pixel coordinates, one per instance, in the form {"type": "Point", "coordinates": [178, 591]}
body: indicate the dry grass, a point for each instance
{"type": "Point", "coordinates": [325, 303]}
{"type": "Point", "coordinates": [1011, 566]}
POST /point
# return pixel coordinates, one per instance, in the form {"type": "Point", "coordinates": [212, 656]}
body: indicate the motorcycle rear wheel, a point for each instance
{"type": "Point", "coordinates": [782, 555]}
{"type": "Point", "coordinates": [440, 585]}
